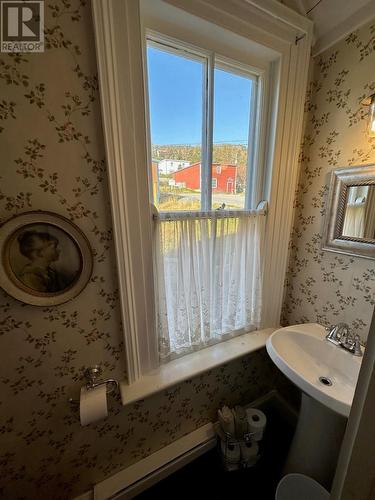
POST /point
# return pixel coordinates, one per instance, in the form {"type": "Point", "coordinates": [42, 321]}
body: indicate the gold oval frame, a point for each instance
{"type": "Point", "coordinates": [14, 287]}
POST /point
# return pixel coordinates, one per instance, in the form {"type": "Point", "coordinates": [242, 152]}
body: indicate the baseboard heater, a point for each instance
{"type": "Point", "coordinates": [130, 482]}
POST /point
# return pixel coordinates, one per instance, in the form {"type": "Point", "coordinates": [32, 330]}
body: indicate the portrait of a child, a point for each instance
{"type": "Point", "coordinates": [42, 250]}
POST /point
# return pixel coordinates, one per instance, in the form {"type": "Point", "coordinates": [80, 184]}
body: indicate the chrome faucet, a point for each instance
{"type": "Point", "coordinates": [340, 336]}
{"type": "Point", "coordinates": [337, 332]}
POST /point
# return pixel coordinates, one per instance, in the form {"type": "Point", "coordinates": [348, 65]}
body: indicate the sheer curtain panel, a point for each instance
{"type": "Point", "coordinates": [208, 279]}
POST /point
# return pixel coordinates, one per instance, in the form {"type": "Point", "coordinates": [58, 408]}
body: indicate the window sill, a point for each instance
{"type": "Point", "coordinates": [192, 365]}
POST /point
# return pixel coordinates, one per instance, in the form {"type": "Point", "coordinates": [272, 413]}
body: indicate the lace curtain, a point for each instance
{"type": "Point", "coordinates": [208, 280]}
{"type": "Point", "coordinates": [354, 221]}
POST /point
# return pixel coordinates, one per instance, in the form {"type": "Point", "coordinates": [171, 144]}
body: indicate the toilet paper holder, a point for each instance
{"type": "Point", "coordinates": [92, 374]}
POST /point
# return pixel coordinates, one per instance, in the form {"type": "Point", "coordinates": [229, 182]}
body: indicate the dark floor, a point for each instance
{"type": "Point", "coordinates": [205, 477]}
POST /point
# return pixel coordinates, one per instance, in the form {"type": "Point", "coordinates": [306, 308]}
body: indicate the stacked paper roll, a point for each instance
{"type": "Point", "coordinates": [257, 421]}
{"type": "Point", "coordinates": [249, 453]}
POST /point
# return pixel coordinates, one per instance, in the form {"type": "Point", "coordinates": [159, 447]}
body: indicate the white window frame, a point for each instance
{"type": "Point", "coordinates": [254, 191]}
{"type": "Point", "coordinates": [179, 48]}
{"type": "Point", "coordinates": [214, 184]}
{"type": "Point", "coordinates": [119, 37]}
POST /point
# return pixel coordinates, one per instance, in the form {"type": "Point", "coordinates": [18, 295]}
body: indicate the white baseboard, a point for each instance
{"type": "Point", "coordinates": [140, 476]}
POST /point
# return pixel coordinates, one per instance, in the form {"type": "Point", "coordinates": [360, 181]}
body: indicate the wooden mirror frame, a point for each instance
{"type": "Point", "coordinates": [333, 240]}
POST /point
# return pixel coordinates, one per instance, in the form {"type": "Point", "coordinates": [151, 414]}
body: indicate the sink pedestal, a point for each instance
{"type": "Point", "coordinates": [327, 376]}
{"type": "Point", "coordinates": [317, 441]}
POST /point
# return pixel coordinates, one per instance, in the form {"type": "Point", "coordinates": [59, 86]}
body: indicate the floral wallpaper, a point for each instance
{"type": "Point", "coordinates": [52, 158]}
{"type": "Point", "coordinates": [324, 286]}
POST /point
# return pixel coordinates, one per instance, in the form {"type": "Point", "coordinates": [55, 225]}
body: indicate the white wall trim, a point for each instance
{"type": "Point", "coordinates": [192, 365]}
{"type": "Point", "coordinates": [284, 178]}
{"type": "Point", "coordinates": [249, 18]}
{"type": "Point", "coordinates": [119, 53]}
{"type": "Point", "coordinates": [338, 33]}
{"type": "Point", "coordinates": [284, 14]}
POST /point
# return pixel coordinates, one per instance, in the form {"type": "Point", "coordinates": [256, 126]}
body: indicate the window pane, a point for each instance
{"type": "Point", "coordinates": [232, 101]}
{"type": "Point", "coordinates": [175, 82]}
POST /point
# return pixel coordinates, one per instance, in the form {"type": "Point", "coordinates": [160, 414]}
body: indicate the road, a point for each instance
{"type": "Point", "coordinates": [233, 200]}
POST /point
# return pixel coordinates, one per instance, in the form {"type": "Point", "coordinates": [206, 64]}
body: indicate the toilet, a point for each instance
{"type": "Point", "coordinates": [300, 487]}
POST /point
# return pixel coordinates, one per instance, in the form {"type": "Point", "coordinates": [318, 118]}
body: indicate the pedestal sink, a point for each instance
{"type": "Point", "coordinates": [327, 376]}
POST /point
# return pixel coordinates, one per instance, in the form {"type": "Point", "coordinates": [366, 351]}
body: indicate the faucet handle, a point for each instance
{"type": "Point", "coordinates": [332, 335]}
{"type": "Point", "coordinates": [344, 333]}
{"type": "Point", "coordinates": [338, 334]}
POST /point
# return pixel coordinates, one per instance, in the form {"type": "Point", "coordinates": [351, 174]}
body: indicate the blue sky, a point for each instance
{"type": "Point", "coordinates": [175, 90]}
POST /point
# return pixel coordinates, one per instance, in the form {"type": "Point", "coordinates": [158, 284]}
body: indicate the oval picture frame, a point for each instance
{"type": "Point", "coordinates": [46, 259]}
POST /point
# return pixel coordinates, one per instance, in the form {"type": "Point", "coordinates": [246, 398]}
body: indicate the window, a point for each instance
{"type": "Point", "coordinates": [202, 114]}
{"type": "Point", "coordinates": [176, 82]}
{"type": "Point", "coordinates": [268, 37]}
{"type": "Point", "coordinates": [202, 119]}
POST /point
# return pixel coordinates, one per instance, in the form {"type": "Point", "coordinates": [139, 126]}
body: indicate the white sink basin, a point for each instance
{"type": "Point", "coordinates": [303, 354]}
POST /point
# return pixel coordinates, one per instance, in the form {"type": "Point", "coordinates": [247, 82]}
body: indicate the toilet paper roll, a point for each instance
{"type": "Point", "coordinates": [93, 404]}
{"type": "Point", "coordinates": [249, 453]}
{"type": "Point", "coordinates": [257, 423]}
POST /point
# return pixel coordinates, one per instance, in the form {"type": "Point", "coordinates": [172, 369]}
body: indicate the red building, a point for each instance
{"type": "Point", "coordinates": [223, 177]}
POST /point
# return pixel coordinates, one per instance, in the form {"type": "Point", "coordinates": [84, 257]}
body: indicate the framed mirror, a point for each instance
{"type": "Point", "coordinates": [350, 217]}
